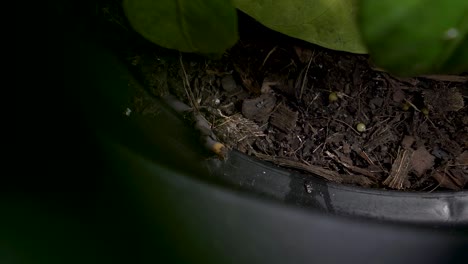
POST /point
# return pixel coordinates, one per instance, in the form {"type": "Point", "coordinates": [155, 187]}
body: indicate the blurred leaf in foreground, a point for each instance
{"type": "Point", "coordinates": [202, 26]}
{"type": "Point", "coordinates": [328, 23]}
{"type": "Point", "coordinates": [412, 37]}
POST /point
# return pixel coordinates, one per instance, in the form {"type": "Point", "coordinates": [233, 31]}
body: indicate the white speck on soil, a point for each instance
{"type": "Point", "coordinates": [451, 33]}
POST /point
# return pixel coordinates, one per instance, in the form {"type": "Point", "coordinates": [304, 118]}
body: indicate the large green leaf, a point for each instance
{"type": "Point", "coordinates": [203, 26]}
{"type": "Point", "coordinates": [328, 23]}
{"type": "Point", "coordinates": [411, 37]}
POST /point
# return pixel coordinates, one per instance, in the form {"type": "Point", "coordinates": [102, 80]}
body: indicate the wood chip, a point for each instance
{"type": "Point", "coordinates": [229, 84]}
{"type": "Point", "coordinates": [382, 136]}
{"type": "Point", "coordinates": [462, 159]}
{"type": "Point", "coordinates": [237, 130]}
{"type": "Point", "coordinates": [400, 168]}
{"type": "Point", "coordinates": [284, 118]}
{"type": "Point", "coordinates": [452, 179]}
{"type": "Point", "coordinates": [421, 161]}
{"type": "Point", "coordinates": [260, 108]}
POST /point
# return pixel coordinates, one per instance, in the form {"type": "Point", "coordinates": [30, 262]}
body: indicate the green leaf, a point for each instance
{"type": "Point", "coordinates": [328, 23]}
{"type": "Point", "coordinates": [412, 37]}
{"type": "Point", "coordinates": [458, 62]}
{"type": "Point", "coordinates": [202, 26]}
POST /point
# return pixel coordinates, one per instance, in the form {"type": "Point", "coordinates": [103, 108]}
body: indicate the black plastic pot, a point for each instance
{"type": "Point", "coordinates": [431, 209]}
{"type": "Point", "coordinates": [158, 199]}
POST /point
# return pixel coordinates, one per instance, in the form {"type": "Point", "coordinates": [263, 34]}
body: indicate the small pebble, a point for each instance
{"type": "Point", "coordinates": [425, 111]}
{"type": "Point", "coordinates": [332, 97]}
{"type": "Point", "coordinates": [451, 33]}
{"type": "Point", "coordinates": [309, 188]}
{"type": "Point", "coordinates": [405, 107]}
{"type": "Point", "coordinates": [361, 127]}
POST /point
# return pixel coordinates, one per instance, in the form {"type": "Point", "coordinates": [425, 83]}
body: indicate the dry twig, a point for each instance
{"type": "Point", "coordinates": [304, 79]}
{"type": "Point", "coordinates": [317, 170]}
{"type": "Point", "coordinates": [351, 167]}
{"type": "Point", "coordinates": [188, 90]}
